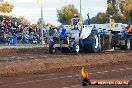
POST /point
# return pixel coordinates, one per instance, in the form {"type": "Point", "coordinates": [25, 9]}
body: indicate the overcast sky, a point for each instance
{"type": "Point", "coordinates": [31, 10]}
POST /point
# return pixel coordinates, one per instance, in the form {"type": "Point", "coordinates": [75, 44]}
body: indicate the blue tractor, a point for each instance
{"type": "Point", "coordinates": [87, 38]}
{"type": "Point", "coordinates": [67, 40]}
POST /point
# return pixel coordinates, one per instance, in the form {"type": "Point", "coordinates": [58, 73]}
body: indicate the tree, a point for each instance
{"type": "Point", "coordinates": [8, 18]}
{"type": "Point", "coordinates": [119, 10]}
{"type": "Point", "coordinates": [23, 20]}
{"type": "Point", "coordinates": [126, 9]}
{"type": "Point", "coordinates": [112, 8]}
{"type": "Point", "coordinates": [39, 23]}
{"type": "Point", "coordinates": [6, 7]}
{"type": "Point", "coordinates": [33, 25]}
{"type": "Point", "coordinates": [66, 14]}
{"type": "Point", "coordinates": [100, 18]}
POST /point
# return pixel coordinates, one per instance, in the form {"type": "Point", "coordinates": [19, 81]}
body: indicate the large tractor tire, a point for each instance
{"type": "Point", "coordinates": [76, 48]}
{"type": "Point", "coordinates": [51, 48]}
{"type": "Point", "coordinates": [106, 42]}
{"type": "Point", "coordinates": [96, 44]}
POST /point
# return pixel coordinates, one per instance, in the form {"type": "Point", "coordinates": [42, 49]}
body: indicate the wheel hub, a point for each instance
{"type": "Point", "coordinates": [77, 48]}
{"type": "Point", "coordinates": [96, 42]}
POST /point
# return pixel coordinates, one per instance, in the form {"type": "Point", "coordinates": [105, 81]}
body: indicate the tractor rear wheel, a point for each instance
{"type": "Point", "coordinates": [96, 45]}
{"type": "Point", "coordinates": [106, 42]}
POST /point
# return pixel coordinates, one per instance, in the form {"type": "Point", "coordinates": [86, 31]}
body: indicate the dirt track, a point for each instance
{"type": "Point", "coordinates": [71, 79]}
{"type": "Point", "coordinates": [16, 62]}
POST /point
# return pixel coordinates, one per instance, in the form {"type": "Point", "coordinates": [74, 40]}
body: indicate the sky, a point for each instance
{"type": "Point", "coordinates": [31, 10]}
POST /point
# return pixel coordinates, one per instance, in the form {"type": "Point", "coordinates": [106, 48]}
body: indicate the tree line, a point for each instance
{"type": "Point", "coordinates": [119, 10]}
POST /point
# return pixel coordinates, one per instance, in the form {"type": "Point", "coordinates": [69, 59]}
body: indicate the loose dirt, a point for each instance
{"type": "Point", "coordinates": [18, 62]}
